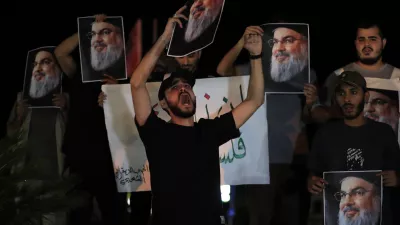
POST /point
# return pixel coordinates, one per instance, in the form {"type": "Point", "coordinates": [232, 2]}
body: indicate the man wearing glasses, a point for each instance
{"type": "Point", "coordinates": [359, 200]}
{"type": "Point", "coordinates": [383, 106]}
{"type": "Point", "coordinates": [107, 50]}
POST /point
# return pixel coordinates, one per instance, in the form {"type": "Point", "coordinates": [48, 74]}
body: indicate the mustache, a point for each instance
{"type": "Point", "coordinates": [42, 74]}
{"type": "Point", "coordinates": [282, 53]}
{"type": "Point", "coordinates": [99, 44]}
{"type": "Point", "coordinates": [367, 48]}
{"type": "Point", "coordinates": [198, 8]}
{"type": "Point", "coordinates": [347, 104]}
{"type": "Point", "coordinates": [350, 208]}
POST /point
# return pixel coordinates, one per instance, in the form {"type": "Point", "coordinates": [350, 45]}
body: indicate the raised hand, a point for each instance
{"type": "Point", "coordinates": [253, 40]}
{"type": "Point", "coordinates": [310, 91]}
{"type": "Point", "coordinates": [109, 80]}
{"type": "Point", "coordinates": [21, 108]}
{"type": "Point", "coordinates": [101, 99]}
{"type": "Point", "coordinates": [171, 23]}
{"type": "Point", "coordinates": [59, 100]}
{"type": "Point", "coordinates": [316, 185]}
{"type": "Point", "coordinates": [389, 178]}
{"type": "Point", "coordinates": [100, 17]}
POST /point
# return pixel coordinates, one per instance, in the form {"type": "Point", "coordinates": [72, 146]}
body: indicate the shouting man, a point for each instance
{"type": "Point", "coordinates": [46, 75]}
{"type": "Point", "coordinates": [169, 145]}
{"type": "Point", "coordinates": [202, 14]}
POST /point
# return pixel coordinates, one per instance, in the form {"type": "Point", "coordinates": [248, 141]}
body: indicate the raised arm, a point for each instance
{"type": "Point", "coordinates": [63, 54]}
{"type": "Point", "coordinates": [226, 67]}
{"type": "Point", "coordinates": [255, 92]}
{"type": "Point", "coordinates": [140, 95]}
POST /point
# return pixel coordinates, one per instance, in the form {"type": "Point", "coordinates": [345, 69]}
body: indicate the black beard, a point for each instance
{"type": "Point", "coordinates": [370, 61]}
{"type": "Point", "coordinates": [359, 108]}
{"type": "Point", "coordinates": [179, 113]}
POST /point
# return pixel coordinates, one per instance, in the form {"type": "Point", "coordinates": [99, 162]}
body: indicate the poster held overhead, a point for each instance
{"type": "Point", "coordinates": [102, 48]}
{"type": "Point", "coordinates": [199, 30]}
{"type": "Point", "coordinates": [43, 78]}
{"type": "Point", "coordinates": [286, 57]}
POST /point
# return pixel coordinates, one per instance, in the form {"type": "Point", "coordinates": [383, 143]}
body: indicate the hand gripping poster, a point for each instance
{"type": "Point", "coordinates": [244, 160]}
{"type": "Point", "coordinates": [199, 30]}
{"type": "Point", "coordinates": [102, 48]}
{"type": "Point", "coordinates": [286, 57]}
{"type": "Point", "coordinates": [43, 78]}
{"type": "Point", "coordinates": [353, 197]}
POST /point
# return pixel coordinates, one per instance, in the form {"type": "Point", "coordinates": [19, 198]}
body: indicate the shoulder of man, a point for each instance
{"type": "Point", "coordinates": [395, 73]}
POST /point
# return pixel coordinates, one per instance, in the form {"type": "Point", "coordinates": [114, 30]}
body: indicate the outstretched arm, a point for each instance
{"type": "Point", "coordinates": [255, 92]}
{"type": "Point", "coordinates": [226, 67]}
{"type": "Point", "coordinates": [63, 54]}
{"type": "Point", "coordinates": [140, 95]}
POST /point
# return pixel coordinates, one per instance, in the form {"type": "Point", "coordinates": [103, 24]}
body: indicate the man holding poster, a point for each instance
{"type": "Point", "coordinates": [178, 175]}
{"type": "Point", "coordinates": [355, 143]}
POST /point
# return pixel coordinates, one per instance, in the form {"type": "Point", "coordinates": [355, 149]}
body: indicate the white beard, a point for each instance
{"type": "Point", "coordinates": [43, 87]}
{"type": "Point", "coordinates": [281, 72]}
{"type": "Point", "coordinates": [196, 27]}
{"type": "Point", "coordinates": [391, 120]}
{"type": "Point", "coordinates": [103, 60]}
{"type": "Point", "coordinates": [365, 217]}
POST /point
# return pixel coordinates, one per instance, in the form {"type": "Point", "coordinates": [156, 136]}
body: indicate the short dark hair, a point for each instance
{"type": "Point", "coordinates": [365, 24]}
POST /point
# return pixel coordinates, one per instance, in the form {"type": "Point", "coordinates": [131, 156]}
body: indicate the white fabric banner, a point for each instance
{"type": "Point", "coordinates": [243, 160]}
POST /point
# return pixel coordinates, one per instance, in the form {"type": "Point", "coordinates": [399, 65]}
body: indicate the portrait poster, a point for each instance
{"type": "Point", "coordinates": [286, 57]}
{"type": "Point", "coordinates": [353, 197]}
{"type": "Point", "coordinates": [244, 160]}
{"type": "Point", "coordinates": [43, 78]}
{"type": "Point", "coordinates": [383, 102]}
{"type": "Point", "coordinates": [199, 30]}
{"type": "Point", "coordinates": [102, 48]}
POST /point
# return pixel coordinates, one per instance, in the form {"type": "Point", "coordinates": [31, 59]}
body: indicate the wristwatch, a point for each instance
{"type": "Point", "coordinates": [256, 56]}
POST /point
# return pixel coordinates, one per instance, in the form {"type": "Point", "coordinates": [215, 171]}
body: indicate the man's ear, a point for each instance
{"type": "Point", "coordinates": [366, 96]}
{"type": "Point", "coordinates": [384, 43]}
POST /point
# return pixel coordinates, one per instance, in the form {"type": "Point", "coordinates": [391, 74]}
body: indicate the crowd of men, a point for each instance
{"type": "Point", "coordinates": [77, 131]}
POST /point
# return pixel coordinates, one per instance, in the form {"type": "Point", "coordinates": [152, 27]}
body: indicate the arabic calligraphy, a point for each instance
{"type": "Point", "coordinates": [240, 152]}
{"type": "Point", "coordinates": [129, 175]}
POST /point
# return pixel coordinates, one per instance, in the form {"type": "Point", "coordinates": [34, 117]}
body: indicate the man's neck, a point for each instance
{"type": "Point", "coordinates": [187, 122]}
{"type": "Point", "coordinates": [357, 122]}
{"type": "Point", "coordinates": [376, 66]}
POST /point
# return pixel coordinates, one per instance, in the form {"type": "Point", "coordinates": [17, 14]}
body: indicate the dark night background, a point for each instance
{"type": "Point", "coordinates": [37, 23]}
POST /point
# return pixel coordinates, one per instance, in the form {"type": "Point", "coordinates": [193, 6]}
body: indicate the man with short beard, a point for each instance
{"type": "Point", "coordinates": [383, 106]}
{"type": "Point", "coordinates": [289, 53]}
{"type": "Point", "coordinates": [202, 14]}
{"type": "Point", "coordinates": [370, 43]}
{"type": "Point", "coordinates": [184, 152]}
{"type": "Point", "coordinates": [363, 206]}
{"type": "Point", "coordinates": [355, 143]}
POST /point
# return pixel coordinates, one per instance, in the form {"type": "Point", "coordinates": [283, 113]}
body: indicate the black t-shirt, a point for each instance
{"type": "Point", "coordinates": [373, 146]}
{"type": "Point", "coordinates": [185, 170]}
{"type": "Point", "coordinates": [338, 147]}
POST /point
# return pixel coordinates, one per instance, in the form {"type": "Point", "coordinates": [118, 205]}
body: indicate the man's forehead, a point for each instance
{"type": "Point", "coordinates": [43, 55]}
{"type": "Point", "coordinates": [282, 32]}
{"type": "Point", "coordinates": [98, 26]}
{"type": "Point", "coordinates": [350, 183]}
{"type": "Point", "coordinates": [376, 94]}
{"type": "Point", "coordinates": [369, 32]}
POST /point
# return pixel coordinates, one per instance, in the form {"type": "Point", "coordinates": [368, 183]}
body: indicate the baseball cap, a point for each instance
{"type": "Point", "coordinates": [352, 78]}
{"type": "Point", "coordinates": [169, 81]}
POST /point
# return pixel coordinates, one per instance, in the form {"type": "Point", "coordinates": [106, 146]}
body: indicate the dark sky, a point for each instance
{"type": "Point", "coordinates": [39, 23]}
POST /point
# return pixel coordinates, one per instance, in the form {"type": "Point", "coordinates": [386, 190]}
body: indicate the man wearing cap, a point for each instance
{"type": "Point", "coordinates": [370, 43]}
{"type": "Point", "coordinates": [355, 143]}
{"type": "Point", "coordinates": [183, 154]}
